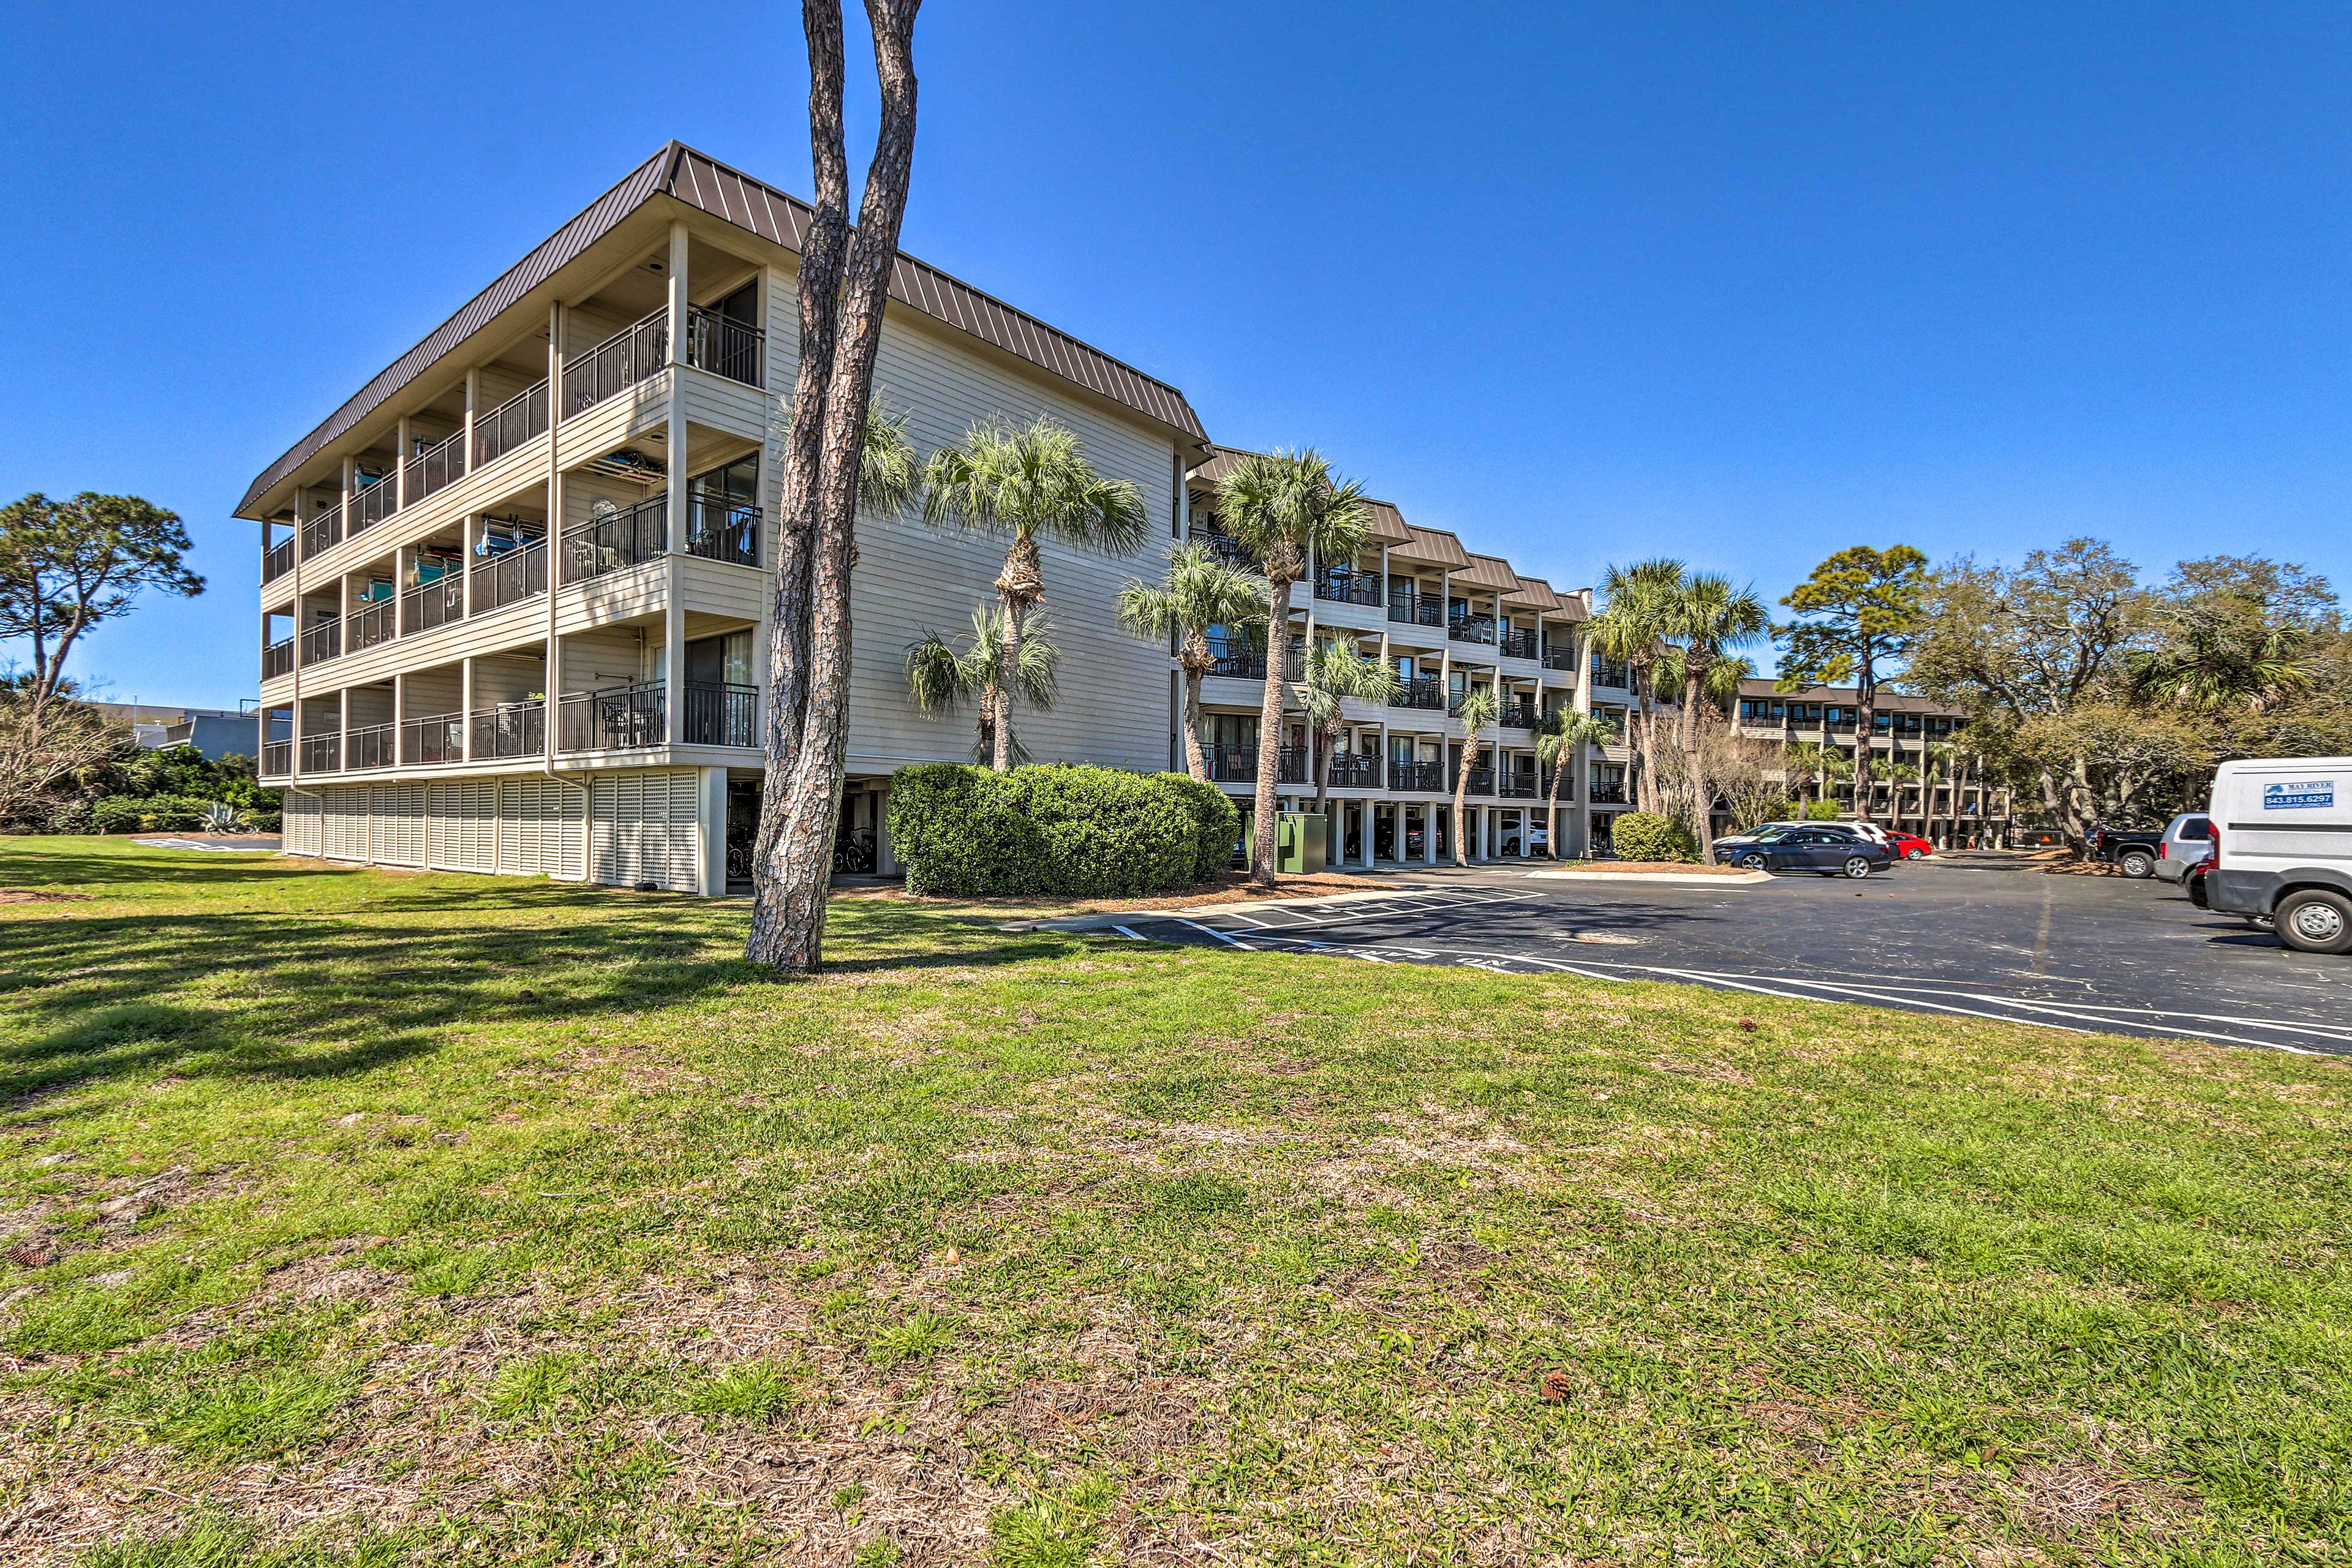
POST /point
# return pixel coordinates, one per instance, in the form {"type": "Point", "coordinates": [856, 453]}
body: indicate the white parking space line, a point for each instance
{"type": "Point", "coordinates": [1221, 936]}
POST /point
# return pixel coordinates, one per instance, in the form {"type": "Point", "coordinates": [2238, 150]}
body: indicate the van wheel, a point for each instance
{"type": "Point", "coordinates": [2315, 921]}
{"type": "Point", "coordinates": [2136, 864]}
{"type": "Point", "coordinates": [1858, 866]}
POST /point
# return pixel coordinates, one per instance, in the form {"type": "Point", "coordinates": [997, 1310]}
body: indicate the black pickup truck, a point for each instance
{"type": "Point", "coordinates": [2131, 850]}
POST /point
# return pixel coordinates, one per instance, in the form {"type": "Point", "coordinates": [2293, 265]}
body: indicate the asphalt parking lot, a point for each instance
{"type": "Point", "coordinates": [1975, 935]}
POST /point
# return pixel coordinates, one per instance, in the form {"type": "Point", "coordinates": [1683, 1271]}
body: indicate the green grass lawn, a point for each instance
{"type": "Point", "coordinates": [368, 1218]}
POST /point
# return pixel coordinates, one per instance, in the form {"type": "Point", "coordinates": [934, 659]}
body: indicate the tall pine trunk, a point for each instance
{"type": "Point", "coordinates": [794, 881]}
{"type": "Point", "coordinates": [1702, 796]}
{"type": "Point", "coordinates": [1269, 729]}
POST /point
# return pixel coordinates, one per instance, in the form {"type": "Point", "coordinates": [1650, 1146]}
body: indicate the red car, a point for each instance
{"type": "Point", "coordinates": [1907, 846]}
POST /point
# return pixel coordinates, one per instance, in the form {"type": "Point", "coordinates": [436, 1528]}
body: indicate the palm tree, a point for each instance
{"type": "Point", "coordinates": [1627, 631]}
{"type": "Point", "coordinates": [2222, 659]}
{"type": "Point", "coordinates": [941, 680]}
{"type": "Point", "coordinates": [1477, 711]}
{"type": "Point", "coordinates": [1288, 510]}
{"type": "Point", "coordinates": [1336, 670]}
{"type": "Point", "coordinates": [1710, 618]}
{"type": "Point", "coordinates": [1557, 739]}
{"type": "Point", "coordinates": [1897, 776]}
{"type": "Point", "coordinates": [1200, 591]}
{"type": "Point", "coordinates": [1026, 486]}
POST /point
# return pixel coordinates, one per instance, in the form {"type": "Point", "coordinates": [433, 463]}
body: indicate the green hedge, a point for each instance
{"type": "Point", "coordinates": [1091, 832]}
{"type": "Point", "coordinates": [1646, 835]}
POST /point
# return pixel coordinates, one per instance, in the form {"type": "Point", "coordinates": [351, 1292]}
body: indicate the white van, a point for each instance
{"type": "Point", "coordinates": [2282, 847]}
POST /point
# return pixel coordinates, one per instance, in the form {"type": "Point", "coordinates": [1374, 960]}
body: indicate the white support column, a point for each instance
{"type": "Point", "coordinates": [1429, 834]}
{"type": "Point", "coordinates": [551, 655]}
{"type": "Point", "coordinates": [678, 353]}
{"type": "Point", "coordinates": [674, 662]}
{"type": "Point", "coordinates": [473, 403]}
{"type": "Point", "coordinates": [1526, 833]}
{"type": "Point", "coordinates": [399, 462]}
{"type": "Point", "coordinates": [1365, 848]}
{"type": "Point", "coordinates": [466, 705]}
{"type": "Point", "coordinates": [399, 715]}
{"type": "Point", "coordinates": [711, 801]}
{"type": "Point", "coordinates": [886, 856]}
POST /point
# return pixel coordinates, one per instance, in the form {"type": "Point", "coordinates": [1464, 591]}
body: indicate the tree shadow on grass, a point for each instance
{"type": "Point", "coordinates": [300, 994]}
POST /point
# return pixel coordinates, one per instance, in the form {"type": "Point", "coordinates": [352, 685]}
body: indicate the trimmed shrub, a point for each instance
{"type": "Point", "coordinates": [1646, 835]}
{"type": "Point", "coordinates": [147, 814]}
{"type": "Point", "coordinates": [1088, 832]}
{"type": "Point", "coordinates": [1217, 825]}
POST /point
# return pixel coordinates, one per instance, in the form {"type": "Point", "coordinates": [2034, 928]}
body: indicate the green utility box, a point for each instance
{"type": "Point", "coordinates": [1300, 843]}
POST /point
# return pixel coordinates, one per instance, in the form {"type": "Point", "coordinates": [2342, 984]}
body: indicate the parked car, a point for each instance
{"type": "Point", "coordinates": [1909, 846]}
{"type": "Point", "coordinates": [2131, 850]}
{"type": "Point", "coordinates": [2283, 848]}
{"type": "Point", "coordinates": [1816, 847]}
{"type": "Point", "coordinates": [1538, 842]}
{"type": "Point", "coordinates": [2188, 843]}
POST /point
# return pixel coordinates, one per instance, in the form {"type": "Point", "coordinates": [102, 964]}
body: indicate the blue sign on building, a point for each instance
{"type": "Point", "coordinates": [2308, 794]}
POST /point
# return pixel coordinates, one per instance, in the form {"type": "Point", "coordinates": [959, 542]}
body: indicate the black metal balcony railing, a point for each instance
{"type": "Point", "coordinates": [1232, 765]}
{"type": "Point", "coordinates": [727, 347]}
{"type": "Point", "coordinates": [617, 364]}
{"type": "Point", "coordinates": [1559, 658]}
{"type": "Point", "coordinates": [323, 531]}
{"type": "Point", "coordinates": [616, 541]}
{"type": "Point", "coordinates": [379, 623]}
{"type": "Point", "coordinates": [722, 715]}
{"type": "Point", "coordinates": [1420, 691]}
{"type": "Point", "coordinates": [1417, 609]}
{"type": "Point", "coordinates": [435, 467]}
{"type": "Point", "coordinates": [1567, 787]}
{"type": "Point", "coordinates": [1290, 766]}
{"type": "Point", "coordinates": [615, 718]}
{"type": "Point", "coordinates": [1471, 629]}
{"type": "Point", "coordinates": [509, 579]}
{"type": "Point", "coordinates": [1606, 794]}
{"type": "Point", "coordinates": [1520, 642]}
{"type": "Point", "coordinates": [277, 560]}
{"type": "Point", "coordinates": [434, 604]}
{"type": "Point", "coordinates": [1617, 676]}
{"type": "Point", "coordinates": [371, 746]}
{"type": "Point", "coordinates": [322, 754]}
{"type": "Point", "coordinates": [718, 531]}
{"type": "Point", "coordinates": [1520, 715]}
{"type": "Point", "coordinates": [1518, 786]}
{"type": "Point", "coordinates": [276, 759]}
{"type": "Point", "coordinates": [1355, 770]}
{"type": "Point", "coordinates": [509, 730]}
{"type": "Point", "coordinates": [1482, 779]}
{"type": "Point", "coordinates": [1235, 660]}
{"type": "Point", "coordinates": [373, 504]}
{"type": "Point", "coordinates": [510, 424]}
{"type": "Point", "coordinates": [323, 642]}
{"type": "Point", "coordinates": [439, 739]}
{"type": "Point", "coordinates": [278, 659]}
{"type": "Point", "coordinates": [1342, 586]}
{"type": "Point", "coordinates": [1416, 777]}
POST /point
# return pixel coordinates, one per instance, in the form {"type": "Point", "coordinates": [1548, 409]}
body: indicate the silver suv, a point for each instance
{"type": "Point", "coordinates": [2188, 844]}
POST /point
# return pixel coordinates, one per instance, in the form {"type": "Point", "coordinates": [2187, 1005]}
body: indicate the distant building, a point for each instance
{"type": "Point", "coordinates": [214, 733]}
{"type": "Point", "coordinates": [1902, 729]}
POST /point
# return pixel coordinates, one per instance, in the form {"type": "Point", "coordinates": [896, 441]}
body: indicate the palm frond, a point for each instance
{"type": "Point", "coordinates": [1032, 481]}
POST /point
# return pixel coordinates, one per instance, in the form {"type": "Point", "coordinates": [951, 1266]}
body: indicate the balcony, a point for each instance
{"type": "Point", "coordinates": [372, 746]}
{"type": "Point", "coordinates": [1417, 609]}
{"type": "Point", "coordinates": [1559, 658]}
{"type": "Point", "coordinates": [1520, 642]}
{"type": "Point", "coordinates": [617, 364]}
{"type": "Point", "coordinates": [1519, 786]}
{"type": "Point", "coordinates": [323, 531]}
{"type": "Point", "coordinates": [1224, 546]}
{"type": "Point", "coordinates": [322, 643]}
{"type": "Point", "coordinates": [510, 424]}
{"type": "Point", "coordinates": [276, 759]}
{"type": "Point", "coordinates": [278, 659]}
{"type": "Point", "coordinates": [722, 715]}
{"type": "Point", "coordinates": [439, 739]}
{"type": "Point", "coordinates": [436, 604]}
{"type": "Point", "coordinates": [507, 579]}
{"type": "Point", "coordinates": [1355, 770]}
{"type": "Point", "coordinates": [373, 504]}
{"type": "Point", "coordinates": [1606, 794]}
{"type": "Point", "coordinates": [612, 719]}
{"type": "Point", "coordinates": [379, 623]}
{"type": "Point", "coordinates": [1346, 587]}
{"type": "Point", "coordinates": [1482, 779]}
{"type": "Point", "coordinates": [277, 560]}
{"type": "Point", "coordinates": [1423, 692]}
{"type": "Point", "coordinates": [1236, 660]}
{"type": "Point", "coordinates": [1471, 629]}
{"type": "Point", "coordinates": [1416, 777]}
{"type": "Point", "coordinates": [724, 346]}
{"type": "Point", "coordinates": [1619, 677]}
{"type": "Point", "coordinates": [1519, 715]}
{"type": "Point", "coordinates": [718, 531]}
{"type": "Point", "coordinates": [322, 754]}
{"type": "Point", "coordinates": [1232, 765]}
{"type": "Point", "coordinates": [434, 468]}
{"type": "Point", "coordinates": [617, 541]}
{"type": "Point", "coordinates": [509, 730]}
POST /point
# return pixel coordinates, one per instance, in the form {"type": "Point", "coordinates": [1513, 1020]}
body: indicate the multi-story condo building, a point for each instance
{"type": "Point", "coordinates": [1903, 727]}
{"type": "Point", "coordinates": [515, 598]}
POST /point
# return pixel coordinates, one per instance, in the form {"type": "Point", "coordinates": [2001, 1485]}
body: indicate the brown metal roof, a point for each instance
{"type": "Point", "coordinates": [1433, 547]}
{"type": "Point", "coordinates": [1535, 594]}
{"type": "Point", "coordinates": [702, 182]}
{"type": "Point", "coordinates": [1487, 571]}
{"type": "Point", "coordinates": [1886, 702]}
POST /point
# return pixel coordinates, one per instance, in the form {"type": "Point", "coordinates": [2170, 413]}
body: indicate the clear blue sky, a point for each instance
{"type": "Point", "coordinates": [1585, 283]}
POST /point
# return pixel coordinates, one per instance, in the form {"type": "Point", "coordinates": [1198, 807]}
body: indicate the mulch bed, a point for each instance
{"type": "Point", "coordinates": [1658, 867]}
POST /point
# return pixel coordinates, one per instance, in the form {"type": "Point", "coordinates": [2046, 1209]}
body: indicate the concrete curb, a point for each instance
{"type": "Point", "coordinates": [1672, 878]}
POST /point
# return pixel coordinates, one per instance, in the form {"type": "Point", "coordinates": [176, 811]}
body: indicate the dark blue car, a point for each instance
{"type": "Point", "coordinates": [1830, 851]}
